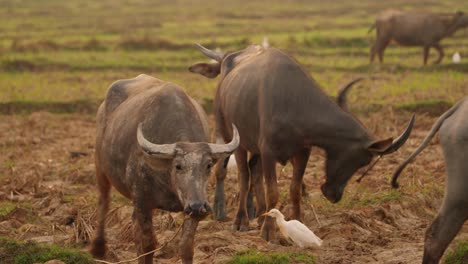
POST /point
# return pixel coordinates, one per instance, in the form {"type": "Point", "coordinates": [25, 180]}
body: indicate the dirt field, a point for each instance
{"type": "Point", "coordinates": [47, 194]}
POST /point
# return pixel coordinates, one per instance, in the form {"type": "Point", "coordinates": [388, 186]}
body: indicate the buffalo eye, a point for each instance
{"type": "Point", "coordinates": [178, 167]}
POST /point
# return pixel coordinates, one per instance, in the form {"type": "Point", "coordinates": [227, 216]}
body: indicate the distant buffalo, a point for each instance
{"type": "Point", "coordinates": [415, 28]}
{"type": "Point", "coordinates": [152, 146]}
{"type": "Point", "coordinates": [281, 113]}
{"type": "Point", "coordinates": [453, 126]}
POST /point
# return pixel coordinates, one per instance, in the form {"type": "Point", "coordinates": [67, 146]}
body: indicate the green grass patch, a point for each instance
{"type": "Point", "coordinates": [30, 252]}
{"type": "Point", "coordinates": [255, 257]}
{"type": "Point", "coordinates": [431, 107]}
{"type": "Point", "coordinates": [50, 52]}
{"type": "Point", "coordinates": [459, 255]}
{"type": "Point", "coordinates": [380, 197]}
{"type": "Point", "coordinates": [25, 107]}
{"type": "Point", "coordinates": [6, 208]}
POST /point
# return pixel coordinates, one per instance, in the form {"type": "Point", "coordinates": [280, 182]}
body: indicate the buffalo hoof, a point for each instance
{"type": "Point", "coordinates": [220, 216]}
{"type": "Point", "coordinates": [219, 211]}
{"type": "Point", "coordinates": [98, 248]}
{"type": "Point", "coordinates": [241, 222]}
{"type": "Point", "coordinates": [268, 230]}
{"type": "Point", "coordinates": [240, 227]}
{"type": "Point", "coordinates": [187, 261]}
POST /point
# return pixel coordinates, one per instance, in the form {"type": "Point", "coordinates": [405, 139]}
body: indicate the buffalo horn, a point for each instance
{"type": "Point", "coordinates": [162, 150]}
{"type": "Point", "coordinates": [341, 97]}
{"type": "Point", "coordinates": [212, 54]}
{"type": "Point", "coordinates": [399, 141]}
{"type": "Point", "coordinates": [229, 147]}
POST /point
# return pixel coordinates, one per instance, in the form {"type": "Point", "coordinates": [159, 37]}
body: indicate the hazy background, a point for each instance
{"type": "Point", "coordinates": [63, 51]}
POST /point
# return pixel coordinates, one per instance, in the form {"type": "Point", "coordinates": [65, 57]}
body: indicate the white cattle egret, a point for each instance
{"type": "Point", "coordinates": [266, 43]}
{"type": "Point", "coordinates": [456, 57]}
{"type": "Point", "coordinates": [300, 234]}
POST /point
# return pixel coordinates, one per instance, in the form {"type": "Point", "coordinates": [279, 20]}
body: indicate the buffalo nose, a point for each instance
{"type": "Point", "coordinates": [331, 195]}
{"type": "Point", "coordinates": [197, 209]}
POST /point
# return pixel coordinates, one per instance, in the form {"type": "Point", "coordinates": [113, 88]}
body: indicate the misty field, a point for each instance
{"type": "Point", "coordinates": [57, 59]}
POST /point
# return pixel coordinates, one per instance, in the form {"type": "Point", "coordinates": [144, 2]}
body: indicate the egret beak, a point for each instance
{"type": "Point", "coordinates": [265, 214]}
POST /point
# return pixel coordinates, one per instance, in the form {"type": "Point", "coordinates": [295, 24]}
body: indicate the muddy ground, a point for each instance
{"type": "Point", "coordinates": [47, 194]}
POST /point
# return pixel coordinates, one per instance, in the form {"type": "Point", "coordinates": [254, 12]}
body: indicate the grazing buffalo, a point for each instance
{"type": "Point", "coordinates": [415, 28]}
{"type": "Point", "coordinates": [281, 112]}
{"type": "Point", "coordinates": [151, 145]}
{"type": "Point", "coordinates": [453, 126]}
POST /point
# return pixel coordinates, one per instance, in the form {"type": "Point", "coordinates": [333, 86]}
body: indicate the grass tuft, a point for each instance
{"type": "Point", "coordinates": [459, 255]}
{"type": "Point", "coordinates": [6, 208]}
{"type": "Point", "coordinates": [253, 256]}
{"type": "Point", "coordinates": [30, 252]}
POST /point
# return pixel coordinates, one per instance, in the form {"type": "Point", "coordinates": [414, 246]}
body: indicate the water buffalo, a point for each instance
{"type": "Point", "coordinates": [281, 112]}
{"type": "Point", "coordinates": [151, 145]}
{"type": "Point", "coordinates": [415, 28]}
{"type": "Point", "coordinates": [453, 127]}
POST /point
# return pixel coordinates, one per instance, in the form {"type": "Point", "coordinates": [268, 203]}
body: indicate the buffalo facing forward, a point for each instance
{"type": "Point", "coordinates": [151, 145]}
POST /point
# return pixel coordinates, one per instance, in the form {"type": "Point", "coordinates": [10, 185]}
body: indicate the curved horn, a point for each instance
{"type": "Point", "coordinates": [212, 54]}
{"type": "Point", "coordinates": [341, 97]}
{"type": "Point", "coordinates": [399, 141]}
{"type": "Point", "coordinates": [162, 150]}
{"type": "Point", "coordinates": [229, 147]}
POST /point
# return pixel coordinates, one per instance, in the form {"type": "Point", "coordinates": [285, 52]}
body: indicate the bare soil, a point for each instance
{"type": "Point", "coordinates": [48, 194]}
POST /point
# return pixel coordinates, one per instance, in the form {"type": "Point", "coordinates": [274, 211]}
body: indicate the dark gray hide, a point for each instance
{"type": "Point", "coordinates": [281, 112]}
{"type": "Point", "coordinates": [453, 135]}
{"type": "Point", "coordinates": [151, 145]}
{"type": "Point", "coordinates": [415, 28]}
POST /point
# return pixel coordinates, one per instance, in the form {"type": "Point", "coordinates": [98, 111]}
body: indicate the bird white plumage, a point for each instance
{"type": "Point", "coordinates": [294, 230]}
{"type": "Point", "coordinates": [456, 57]}
{"type": "Point", "coordinates": [265, 43]}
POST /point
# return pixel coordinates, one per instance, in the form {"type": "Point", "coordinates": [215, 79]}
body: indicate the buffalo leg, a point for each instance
{"type": "Point", "coordinates": [219, 198]}
{"type": "Point", "coordinates": [250, 206]}
{"type": "Point", "coordinates": [441, 53]}
{"type": "Point", "coordinates": [256, 176]}
{"type": "Point", "coordinates": [373, 50]}
{"type": "Point", "coordinates": [98, 248]}
{"type": "Point", "coordinates": [381, 50]}
{"type": "Point", "coordinates": [187, 239]}
{"type": "Point", "coordinates": [250, 202]}
{"type": "Point", "coordinates": [381, 43]}
{"type": "Point", "coordinates": [268, 166]}
{"type": "Point", "coordinates": [241, 222]}
{"type": "Point", "coordinates": [426, 54]}
{"type": "Point", "coordinates": [299, 162]}
{"type": "Point", "coordinates": [143, 232]}
{"type": "Point", "coordinates": [442, 231]}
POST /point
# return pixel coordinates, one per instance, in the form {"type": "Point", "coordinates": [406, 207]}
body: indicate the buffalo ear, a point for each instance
{"type": "Point", "coordinates": [380, 146]}
{"type": "Point", "coordinates": [210, 70]}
